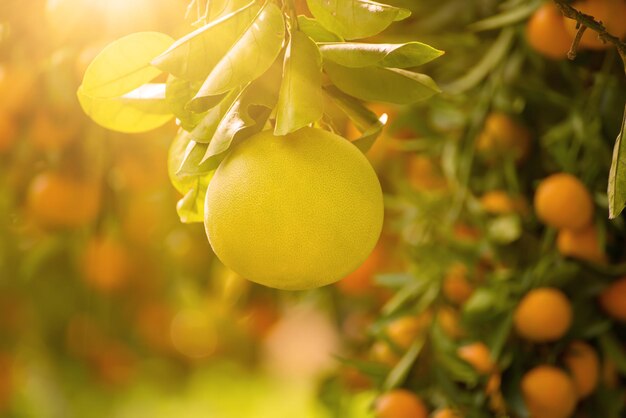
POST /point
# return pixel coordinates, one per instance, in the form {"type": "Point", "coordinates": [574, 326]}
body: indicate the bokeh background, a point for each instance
{"type": "Point", "coordinates": [111, 307]}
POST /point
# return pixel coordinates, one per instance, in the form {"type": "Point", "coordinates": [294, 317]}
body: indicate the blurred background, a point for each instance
{"type": "Point", "coordinates": [111, 307]}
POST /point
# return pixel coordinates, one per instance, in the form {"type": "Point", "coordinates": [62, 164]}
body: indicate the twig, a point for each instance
{"type": "Point", "coordinates": [571, 54]}
{"type": "Point", "coordinates": [587, 21]}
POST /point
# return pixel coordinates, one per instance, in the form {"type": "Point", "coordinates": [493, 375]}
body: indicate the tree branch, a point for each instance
{"type": "Point", "coordinates": [587, 21]}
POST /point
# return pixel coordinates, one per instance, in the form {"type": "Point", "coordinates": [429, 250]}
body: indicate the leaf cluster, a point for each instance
{"type": "Point", "coordinates": [254, 65]}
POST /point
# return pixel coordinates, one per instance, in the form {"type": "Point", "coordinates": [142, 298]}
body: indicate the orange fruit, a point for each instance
{"type": "Point", "coordinates": [447, 413]}
{"type": "Point", "coordinates": [261, 317]}
{"type": "Point", "coordinates": [611, 13]}
{"type": "Point", "coordinates": [501, 134]}
{"type": "Point", "coordinates": [499, 202]}
{"type": "Point", "coordinates": [361, 281]}
{"type": "Point", "coordinates": [424, 174]}
{"type": "Point", "coordinates": [52, 130]}
{"type": "Point", "coordinates": [382, 353]}
{"type": "Point", "coordinates": [581, 243]}
{"type": "Point", "coordinates": [403, 331]}
{"type": "Point", "coordinates": [400, 403]}
{"type": "Point", "coordinates": [352, 378]}
{"type": "Point", "coordinates": [478, 355]}
{"type": "Point", "coordinates": [563, 201]}
{"type": "Point", "coordinates": [546, 33]}
{"type": "Point", "coordinates": [548, 392]}
{"type": "Point", "coordinates": [613, 299]}
{"type": "Point", "coordinates": [151, 321]}
{"type": "Point", "coordinates": [449, 321]}
{"type": "Point", "coordinates": [584, 365]}
{"type": "Point", "coordinates": [8, 132]}
{"type": "Point", "coordinates": [493, 384]}
{"type": "Point", "coordinates": [466, 233]}
{"type": "Point", "coordinates": [56, 200]}
{"type": "Point", "coordinates": [543, 315]}
{"type": "Point", "coordinates": [17, 88]}
{"type": "Point", "coordinates": [106, 264]}
{"type": "Point", "coordinates": [456, 287]}
{"type": "Point", "coordinates": [114, 363]}
{"type": "Point", "coordinates": [7, 383]}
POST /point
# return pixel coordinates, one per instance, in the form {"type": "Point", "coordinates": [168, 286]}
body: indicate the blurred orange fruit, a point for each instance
{"type": "Point", "coordinates": [563, 201]}
{"type": "Point", "coordinates": [613, 299]}
{"type": "Point", "coordinates": [7, 384]}
{"type": "Point", "coordinates": [447, 413]}
{"type": "Point", "coordinates": [404, 330]}
{"type": "Point", "coordinates": [584, 365]}
{"type": "Point", "coordinates": [361, 281]}
{"type": "Point", "coordinates": [548, 392]}
{"type": "Point", "coordinates": [17, 89]}
{"type": "Point", "coordinates": [581, 243]}
{"type": "Point", "coordinates": [114, 363]}
{"type": "Point", "coordinates": [478, 355]}
{"type": "Point", "coordinates": [260, 316]}
{"type": "Point", "coordinates": [499, 202]}
{"type": "Point", "coordinates": [456, 286]}
{"type": "Point", "coordinates": [52, 130]}
{"type": "Point", "coordinates": [56, 200]}
{"type": "Point", "coordinates": [8, 132]}
{"type": "Point", "coordinates": [449, 321]}
{"type": "Point", "coordinates": [106, 264]}
{"type": "Point", "coordinates": [543, 315]}
{"type": "Point", "coordinates": [546, 33]}
{"type": "Point", "coordinates": [466, 233]}
{"type": "Point", "coordinates": [194, 333]}
{"type": "Point", "coordinates": [424, 174]}
{"type": "Point", "coordinates": [611, 13]}
{"type": "Point", "coordinates": [152, 322]}
{"type": "Point", "coordinates": [352, 378]}
{"type": "Point", "coordinates": [493, 384]}
{"type": "Point", "coordinates": [400, 403]}
{"type": "Point", "coordinates": [503, 135]}
{"type": "Point", "coordinates": [382, 353]}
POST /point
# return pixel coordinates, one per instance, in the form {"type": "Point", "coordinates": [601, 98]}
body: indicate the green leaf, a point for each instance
{"type": "Point", "coordinates": [175, 158]}
{"type": "Point", "coordinates": [178, 93]}
{"type": "Point", "coordinates": [193, 56]}
{"type": "Point", "coordinates": [140, 110]}
{"type": "Point", "coordinates": [300, 101]}
{"type": "Point", "coordinates": [478, 72]}
{"type": "Point", "coordinates": [382, 84]}
{"type": "Point", "coordinates": [204, 131]}
{"type": "Point", "coordinates": [247, 114]}
{"type": "Point", "coordinates": [365, 120]}
{"type": "Point", "coordinates": [355, 19]}
{"type": "Point", "coordinates": [508, 17]}
{"type": "Point", "coordinates": [316, 31]}
{"type": "Point", "coordinates": [190, 207]}
{"type": "Point", "coordinates": [252, 54]}
{"type": "Point", "coordinates": [357, 55]}
{"type": "Point", "coordinates": [124, 65]}
{"type": "Point", "coordinates": [399, 373]}
{"type": "Point", "coordinates": [617, 175]}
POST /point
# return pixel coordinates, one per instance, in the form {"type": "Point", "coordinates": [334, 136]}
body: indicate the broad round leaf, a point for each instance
{"type": "Point", "coordinates": [142, 110]}
{"type": "Point", "coordinates": [124, 65]}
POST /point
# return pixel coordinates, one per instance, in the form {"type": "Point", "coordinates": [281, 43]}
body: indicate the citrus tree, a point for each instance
{"type": "Point", "coordinates": [509, 299]}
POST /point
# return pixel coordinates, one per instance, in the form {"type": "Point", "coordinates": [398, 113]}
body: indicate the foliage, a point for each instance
{"type": "Point", "coordinates": [269, 69]}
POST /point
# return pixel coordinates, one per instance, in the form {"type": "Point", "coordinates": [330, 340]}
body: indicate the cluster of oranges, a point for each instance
{"type": "Point", "coordinates": [480, 311]}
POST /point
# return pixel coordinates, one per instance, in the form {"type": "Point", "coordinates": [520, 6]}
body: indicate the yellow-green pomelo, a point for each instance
{"type": "Point", "coordinates": [294, 212]}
